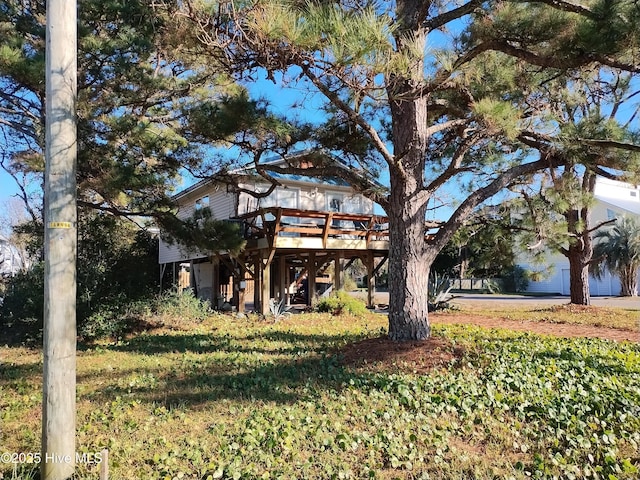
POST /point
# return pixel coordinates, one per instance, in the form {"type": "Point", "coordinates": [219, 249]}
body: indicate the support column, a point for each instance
{"type": "Point", "coordinates": [215, 282]}
{"type": "Point", "coordinates": [311, 278]}
{"type": "Point", "coordinates": [338, 272]}
{"type": "Point", "coordinates": [287, 292]}
{"type": "Point", "coordinates": [282, 278]}
{"type": "Point", "coordinates": [239, 286]}
{"type": "Point", "coordinates": [257, 285]}
{"type": "Point", "coordinates": [266, 288]}
{"type": "Point", "coordinates": [371, 281]}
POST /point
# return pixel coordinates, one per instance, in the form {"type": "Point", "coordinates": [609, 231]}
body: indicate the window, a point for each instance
{"type": "Point", "coordinates": [281, 197]}
{"type": "Point", "coordinates": [633, 193]}
{"type": "Point", "coordinates": [611, 214]}
{"type": "Point", "coordinates": [202, 203]}
{"type": "Point", "coordinates": [335, 202]}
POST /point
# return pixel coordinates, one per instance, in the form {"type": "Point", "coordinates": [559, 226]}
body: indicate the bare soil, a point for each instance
{"type": "Point", "coordinates": [566, 330]}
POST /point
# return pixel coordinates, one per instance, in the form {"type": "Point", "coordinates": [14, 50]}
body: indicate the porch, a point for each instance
{"type": "Point", "coordinates": [292, 256]}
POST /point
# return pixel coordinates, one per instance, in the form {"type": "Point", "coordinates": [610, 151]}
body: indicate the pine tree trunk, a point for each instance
{"type": "Point", "coordinates": [408, 270]}
{"type": "Point", "coordinates": [579, 276]}
{"type": "Point", "coordinates": [580, 250]}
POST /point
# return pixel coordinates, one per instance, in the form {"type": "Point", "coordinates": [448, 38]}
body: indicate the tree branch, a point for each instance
{"type": "Point", "coordinates": [351, 114]}
{"type": "Point", "coordinates": [611, 144]}
{"type": "Point", "coordinates": [476, 198]}
{"type": "Point", "coordinates": [446, 17]}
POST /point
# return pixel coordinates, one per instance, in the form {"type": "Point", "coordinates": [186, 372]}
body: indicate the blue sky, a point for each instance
{"type": "Point", "coordinates": [8, 187]}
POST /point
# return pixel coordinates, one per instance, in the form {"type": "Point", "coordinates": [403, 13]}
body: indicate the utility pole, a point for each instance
{"type": "Point", "coordinates": [60, 244]}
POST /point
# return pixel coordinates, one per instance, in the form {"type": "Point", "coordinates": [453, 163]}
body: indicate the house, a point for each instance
{"type": "Point", "coordinates": [613, 199]}
{"type": "Point", "coordinates": [292, 235]}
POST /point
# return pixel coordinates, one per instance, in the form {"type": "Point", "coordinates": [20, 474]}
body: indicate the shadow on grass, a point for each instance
{"type": "Point", "coordinates": [270, 366]}
{"type": "Point", "coordinates": [281, 382]}
{"type": "Point", "coordinates": [23, 372]}
{"type": "Point", "coordinates": [294, 343]}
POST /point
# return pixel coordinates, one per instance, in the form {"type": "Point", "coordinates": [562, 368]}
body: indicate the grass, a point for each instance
{"type": "Point", "coordinates": [239, 398]}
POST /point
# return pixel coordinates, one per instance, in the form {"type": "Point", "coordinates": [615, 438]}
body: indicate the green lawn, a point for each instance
{"type": "Point", "coordinates": [231, 398]}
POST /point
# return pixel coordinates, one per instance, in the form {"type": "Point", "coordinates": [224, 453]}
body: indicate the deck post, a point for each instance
{"type": "Point", "coordinates": [338, 272]}
{"type": "Point", "coordinates": [282, 278]}
{"type": "Point", "coordinates": [239, 286]}
{"type": "Point", "coordinates": [311, 278]}
{"type": "Point", "coordinates": [257, 286]}
{"type": "Point", "coordinates": [266, 286]}
{"type": "Point", "coordinates": [287, 292]}
{"type": "Point", "coordinates": [215, 282]}
{"type": "Point", "coordinates": [371, 280]}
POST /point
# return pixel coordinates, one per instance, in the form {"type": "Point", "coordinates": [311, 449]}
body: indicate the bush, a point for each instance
{"type": "Point", "coordinates": [517, 280]}
{"type": "Point", "coordinates": [341, 302]}
{"type": "Point", "coordinates": [117, 274]}
{"type": "Point", "coordinates": [174, 307]}
{"type": "Point", "coordinates": [22, 308]}
{"type": "Point", "coordinates": [349, 284]}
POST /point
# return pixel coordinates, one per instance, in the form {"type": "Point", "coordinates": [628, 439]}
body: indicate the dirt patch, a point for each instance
{"type": "Point", "coordinates": [566, 330]}
{"type": "Point", "coordinates": [382, 354]}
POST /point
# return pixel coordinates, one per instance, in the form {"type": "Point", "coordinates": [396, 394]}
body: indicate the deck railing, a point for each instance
{"type": "Point", "coordinates": [288, 222]}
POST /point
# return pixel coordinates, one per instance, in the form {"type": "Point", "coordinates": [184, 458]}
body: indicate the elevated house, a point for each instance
{"type": "Point", "coordinates": [293, 235]}
{"type": "Point", "coordinates": [613, 199]}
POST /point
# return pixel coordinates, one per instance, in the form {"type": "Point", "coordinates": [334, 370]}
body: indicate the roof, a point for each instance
{"type": "Point", "coordinates": [630, 206]}
{"type": "Point", "coordinates": [249, 170]}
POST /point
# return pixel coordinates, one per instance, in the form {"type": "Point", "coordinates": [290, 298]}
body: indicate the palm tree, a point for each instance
{"type": "Point", "coordinates": [618, 250]}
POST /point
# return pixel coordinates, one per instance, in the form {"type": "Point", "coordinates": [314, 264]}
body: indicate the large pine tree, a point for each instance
{"type": "Point", "coordinates": [439, 94]}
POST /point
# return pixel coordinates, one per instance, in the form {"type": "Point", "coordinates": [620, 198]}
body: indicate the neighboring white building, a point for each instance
{"type": "Point", "coordinates": [10, 260]}
{"type": "Point", "coordinates": [613, 199]}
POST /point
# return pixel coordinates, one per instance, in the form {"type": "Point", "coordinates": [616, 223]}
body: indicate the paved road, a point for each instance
{"type": "Point", "coordinates": [466, 299]}
{"type": "Point", "coordinates": [632, 303]}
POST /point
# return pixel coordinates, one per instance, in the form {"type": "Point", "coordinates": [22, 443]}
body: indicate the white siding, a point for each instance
{"type": "Point", "coordinates": [222, 205]}
{"type": "Point", "coordinates": [558, 281]}
{"type": "Point", "coordinates": [551, 283]}
{"type": "Point", "coordinates": [310, 197]}
{"type": "Point", "coordinates": [169, 253]}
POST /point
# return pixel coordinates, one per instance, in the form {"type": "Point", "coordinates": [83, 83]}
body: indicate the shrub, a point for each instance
{"type": "Point", "coordinates": [438, 289]}
{"type": "Point", "coordinates": [349, 284]}
{"type": "Point", "coordinates": [22, 308]}
{"type": "Point", "coordinates": [517, 280]}
{"type": "Point", "coordinates": [341, 302]}
{"type": "Point", "coordinates": [176, 307]}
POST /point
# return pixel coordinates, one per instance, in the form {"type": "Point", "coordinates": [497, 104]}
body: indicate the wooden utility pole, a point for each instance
{"type": "Point", "coordinates": [60, 243]}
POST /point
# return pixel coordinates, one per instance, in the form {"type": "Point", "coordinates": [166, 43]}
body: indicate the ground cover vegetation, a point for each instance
{"type": "Point", "coordinates": [218, 396]}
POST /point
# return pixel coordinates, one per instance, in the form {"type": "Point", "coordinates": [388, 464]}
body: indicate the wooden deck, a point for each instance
{"type": "Point", "coordinates": [286, 228]}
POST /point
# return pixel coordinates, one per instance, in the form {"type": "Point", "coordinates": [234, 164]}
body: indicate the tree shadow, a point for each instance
{"type": "Point", "coordinates": [280, 382]}
{"type": "Point", "coordinates": [269, 366]}
{"type": "Point", "coordinates": [210, 343]}
{"type": "Point", "coordinates": [23, 372]}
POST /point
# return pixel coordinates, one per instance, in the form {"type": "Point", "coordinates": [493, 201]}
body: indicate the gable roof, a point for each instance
{"type": "Point", "coordinates": [249, 170]}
